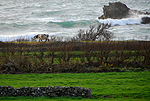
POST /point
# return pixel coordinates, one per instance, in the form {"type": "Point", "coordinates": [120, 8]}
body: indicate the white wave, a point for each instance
{"type": "Point", "coordinates": [50, 19]}
{"type": "Point", "coordinates": [6, 38]}
{"type": "Point", "coordinates": [124, 21]}
{"type": "Point", "coordinates": [56, 19]}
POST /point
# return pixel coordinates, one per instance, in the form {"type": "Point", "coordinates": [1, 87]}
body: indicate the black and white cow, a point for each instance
{"type": "Point", "coordinates": [41, 37]}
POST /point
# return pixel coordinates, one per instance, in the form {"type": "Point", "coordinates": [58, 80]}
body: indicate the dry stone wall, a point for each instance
{"type": "Point", "coordinates": [53, 91]}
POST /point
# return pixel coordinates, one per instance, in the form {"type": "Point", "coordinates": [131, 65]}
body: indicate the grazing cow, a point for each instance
{"type": "Point", "coordinates": [41, 37]}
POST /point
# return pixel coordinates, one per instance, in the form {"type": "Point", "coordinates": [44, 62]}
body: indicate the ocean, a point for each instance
{"type": "Point", "coordinates": [64, 18]}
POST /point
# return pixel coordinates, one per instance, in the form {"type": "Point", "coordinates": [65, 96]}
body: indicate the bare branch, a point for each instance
{"type": "Point", "coordinates": [95, 33]}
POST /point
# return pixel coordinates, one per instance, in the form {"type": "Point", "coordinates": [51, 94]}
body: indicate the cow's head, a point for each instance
{"type": "Point", "coordinates": [35, 37]}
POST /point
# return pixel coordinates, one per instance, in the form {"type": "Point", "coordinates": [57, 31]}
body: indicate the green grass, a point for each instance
{"type": "Point", "coordinates": [123, 86]}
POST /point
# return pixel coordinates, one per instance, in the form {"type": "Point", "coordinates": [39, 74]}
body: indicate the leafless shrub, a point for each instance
{"type": "Point", "coordinates": [99, 33]}
{"type": "Point", "coordinates": [22, 39]}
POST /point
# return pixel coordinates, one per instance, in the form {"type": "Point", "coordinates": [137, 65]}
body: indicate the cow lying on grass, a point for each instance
{"type": "Point", "coordinates": [41, 37]}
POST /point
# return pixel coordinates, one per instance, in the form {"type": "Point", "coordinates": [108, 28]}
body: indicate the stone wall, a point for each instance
{"type": "Point", "coordinates": [53, 91]}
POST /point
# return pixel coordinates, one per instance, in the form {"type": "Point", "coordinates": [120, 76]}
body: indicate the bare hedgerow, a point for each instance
{"type": "Point", "coordinates": [99, 33]}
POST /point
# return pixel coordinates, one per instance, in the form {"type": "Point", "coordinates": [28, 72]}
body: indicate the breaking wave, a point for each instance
{"type": "Point", "coordinates": [73, 23]}
{"type": "Point", "coordinates": [124, 21]}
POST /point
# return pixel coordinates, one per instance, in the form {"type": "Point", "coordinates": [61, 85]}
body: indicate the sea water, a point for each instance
{"type": "Point", "coordinates": [64, 18]}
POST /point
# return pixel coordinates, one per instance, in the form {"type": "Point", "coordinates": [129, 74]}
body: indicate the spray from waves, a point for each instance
{"type": "Point", "coordinates": [28, 37]}
{"type": "Point", "coordinates": [124, 21]}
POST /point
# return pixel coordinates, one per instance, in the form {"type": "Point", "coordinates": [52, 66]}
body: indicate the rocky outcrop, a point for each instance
{"type": "Point", "coordinates": [53, 91]}
{"type": "Point", "coordinates": [145, 20]}
{"type": "Point", "coordinates": [119, 10]}
{"type": "Point", "coordinates": [115, 10]}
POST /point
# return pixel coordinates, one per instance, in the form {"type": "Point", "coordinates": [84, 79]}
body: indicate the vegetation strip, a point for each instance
{"type": "Point", "coordinates": [74, 57]}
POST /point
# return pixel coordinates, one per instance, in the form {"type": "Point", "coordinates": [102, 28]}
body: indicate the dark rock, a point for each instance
{"type": "Point", "coordinates": [89, 93]}
{"type": "Point", "coordinates": [115, 10]}
{"type": "Point", "coordinates": [56, 91]}
{"type": "Point", "coordinates": [145, 20]}
{"type": "Point", "coordinates": [119, 10]}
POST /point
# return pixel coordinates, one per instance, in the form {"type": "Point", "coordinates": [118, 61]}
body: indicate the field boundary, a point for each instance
{"type": "Point", "coordinates": [53, 91]}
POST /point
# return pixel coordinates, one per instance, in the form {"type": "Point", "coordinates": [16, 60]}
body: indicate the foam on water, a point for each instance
{"type": "Point", "coordinates": [26, 18]}
{"type": "Point", "coordinates": [51, 26]}
{"type": "Point", "coordinates": [27, 36]}
{"type": "Point", "coordinates": [124, 21]}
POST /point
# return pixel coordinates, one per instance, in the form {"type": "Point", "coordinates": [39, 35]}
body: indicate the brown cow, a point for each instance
{"type": "Point", "coordinates": [41, 37]}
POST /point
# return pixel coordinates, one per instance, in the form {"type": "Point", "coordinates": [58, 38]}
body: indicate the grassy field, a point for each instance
{"type": "Point", "coordinates": [117, 86]}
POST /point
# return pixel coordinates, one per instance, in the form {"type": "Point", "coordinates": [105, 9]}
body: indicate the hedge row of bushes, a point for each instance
{"type": "Point", "coordinates": [74, 57]}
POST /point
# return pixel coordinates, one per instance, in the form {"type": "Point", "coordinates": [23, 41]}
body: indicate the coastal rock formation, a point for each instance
{"type": "Point", "coordinates": [119, 10]}
{"type": "Point", "coordinates": [145, 20]}
{"type": "Point", "coordinates": [115, 10]}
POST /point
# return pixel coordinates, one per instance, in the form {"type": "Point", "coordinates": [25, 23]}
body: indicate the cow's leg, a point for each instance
{"type": "Point", "coordinates": [45, 40]}
{"type": "Point", "coordinates": [40, 39]}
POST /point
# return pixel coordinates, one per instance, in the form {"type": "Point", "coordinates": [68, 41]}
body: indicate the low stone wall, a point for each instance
{"type": "Point", "coordinates": [53, 91]}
